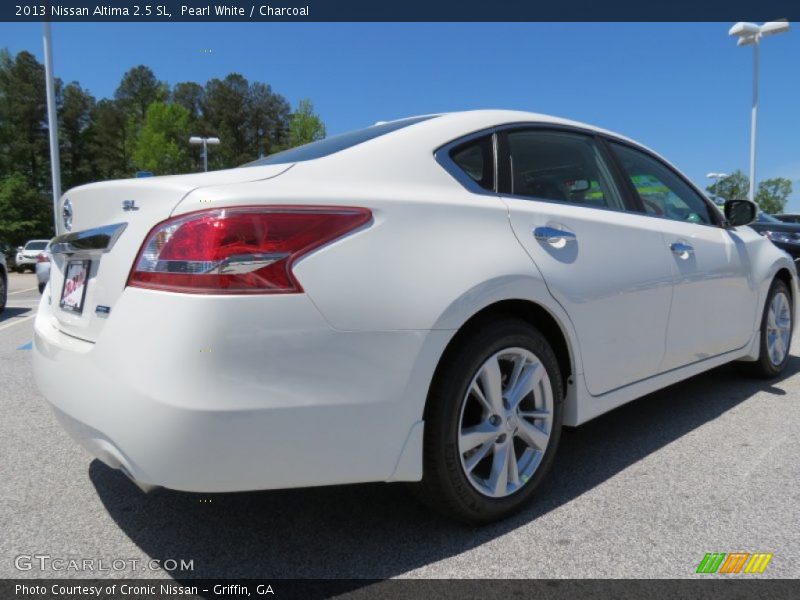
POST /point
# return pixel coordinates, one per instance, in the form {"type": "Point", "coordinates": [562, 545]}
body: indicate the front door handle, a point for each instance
{"type": "Point", "coordinates": [558, 238]}
{"type": "Point", "coordinates": [681, 249]}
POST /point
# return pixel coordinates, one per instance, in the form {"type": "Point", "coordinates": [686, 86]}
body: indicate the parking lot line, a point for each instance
{"type": "Point", "coordinates": [21, 291]}
{"type": "Point", "coordinates": [16, 322]}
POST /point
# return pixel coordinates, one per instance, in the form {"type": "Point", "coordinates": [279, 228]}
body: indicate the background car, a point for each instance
{"type": "Point", "coordinates": [26, 255]}
{"type": "Point", "coordinates": [3, 282]}
{"type": "Point", "coordinates": [788, 218]}
{"type": "Point", "coordinates": [785, 236]}
{"type": "Point", "coordinates": [43, 267]}
{"type": "Point", "coordinates": [10, 254]}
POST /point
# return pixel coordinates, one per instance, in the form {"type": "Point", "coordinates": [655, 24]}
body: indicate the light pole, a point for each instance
{"type": "Point", "coordinates": [717, 177]}
{"type": "Point", "coordinates": [52, 120]}
{"type": "Point", "coordinates": [206, 142]}
{"type": "Point", "coordinates": [750, 34]}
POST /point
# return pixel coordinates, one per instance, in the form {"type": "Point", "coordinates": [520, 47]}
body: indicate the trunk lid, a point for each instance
{"type": "Point", "coordinates": [118, 214]}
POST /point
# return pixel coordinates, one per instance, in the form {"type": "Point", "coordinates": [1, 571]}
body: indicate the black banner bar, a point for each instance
{"type": "Point", "coordinates": [750, 587]}
{"type": "Point", "coordinates": [402, 10]}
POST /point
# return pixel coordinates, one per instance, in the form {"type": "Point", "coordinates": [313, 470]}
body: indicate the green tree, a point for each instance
{"type": "Point", "coordinates": [190, 96]}
{"type": "Point", "coordinates": [267, 120]}
{"type": "Point", "coordinates": [162, 144]}
{"type": "Point", "coordinates": [110, 141]}
{"type": "Point", "coordinates": [23, 115]}
{"type": "Point", "coordinates": [773, 194]}
{"type": "Point", "coordinates": [138, 89]}
{"type": "Point", "coordinates": [734, 186]}
{"type": "Point", "coordinates": [250, 119]}
{"type": "Point", "coordinates": [305, 126]}
{"type": "Point", "coordinates": [75, 117]}
{"type": "Point", "coordinates": [26, 212]}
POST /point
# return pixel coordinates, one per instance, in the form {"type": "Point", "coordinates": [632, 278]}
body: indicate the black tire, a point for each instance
{"type": "Point", "coordinates": [764, 367]}
{"type": "Point", "coordinates": [445, 486]}
{"type": "Point", "coordinates": [3, 291]}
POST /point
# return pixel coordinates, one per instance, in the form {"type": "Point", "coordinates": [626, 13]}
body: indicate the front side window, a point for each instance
{"type": "Point", "coordinates": [662, 192]}
{"type": "Point", "coordinates": [560, 166]}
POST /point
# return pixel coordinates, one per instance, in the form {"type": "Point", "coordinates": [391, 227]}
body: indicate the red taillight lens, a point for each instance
{"type": "Point", "coordinates": [42, 258]}
{"type": "Point", "coordinates": [243, 250]}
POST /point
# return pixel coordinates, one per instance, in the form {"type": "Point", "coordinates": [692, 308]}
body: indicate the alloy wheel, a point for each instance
{"type": "Point", "coordinates": [779, 328]}
{"type": "Point", "coordinates": [505, 422]}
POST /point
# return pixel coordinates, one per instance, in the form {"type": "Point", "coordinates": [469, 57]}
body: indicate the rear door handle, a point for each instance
{"type": "Point", "coordinates": [681, 249]}
{"type": "Point", "coordinates": [558, 238]}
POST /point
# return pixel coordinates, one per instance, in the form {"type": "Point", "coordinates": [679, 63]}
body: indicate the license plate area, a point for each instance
{"type": "Point", "coordinates": [73, 293]}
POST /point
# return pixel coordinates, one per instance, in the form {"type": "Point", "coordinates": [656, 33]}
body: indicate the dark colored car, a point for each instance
{"type": "Point", "coordinates": [3, 282]}
{"type": "Point", "coordinates": [785, 236]}
{"type": "Point", "coordinates": [789, 218]}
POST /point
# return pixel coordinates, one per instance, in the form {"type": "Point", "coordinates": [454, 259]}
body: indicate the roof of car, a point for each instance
{"type": "Point", "coordinates": [495, 117]}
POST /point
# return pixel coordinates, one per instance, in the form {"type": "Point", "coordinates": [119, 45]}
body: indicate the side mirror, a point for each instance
{"type": "Point", "coordinates": [740, 212]}
{"type": "Point", "coordinates": [20, 248]}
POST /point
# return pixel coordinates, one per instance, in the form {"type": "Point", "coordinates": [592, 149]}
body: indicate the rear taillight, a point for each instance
{"type": "Point", "coordinates": [42, 258]}
{"type": "Point", "coordinates": [242, 250]}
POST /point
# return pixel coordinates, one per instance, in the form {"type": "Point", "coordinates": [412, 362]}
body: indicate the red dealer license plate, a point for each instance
{"type": "Point", "coordinates": [74, 291]}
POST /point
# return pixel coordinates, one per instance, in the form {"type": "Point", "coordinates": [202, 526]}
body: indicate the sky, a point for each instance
{"type": "Point", "coordinates": [683, 89]}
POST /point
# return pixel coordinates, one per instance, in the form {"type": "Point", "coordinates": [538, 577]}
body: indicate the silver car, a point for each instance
{"type": "Point", "coordinates": [26, 255]}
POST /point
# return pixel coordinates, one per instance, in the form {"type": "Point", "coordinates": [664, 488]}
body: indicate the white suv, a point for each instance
{"type": "Point", "coordinates": [26, 255]}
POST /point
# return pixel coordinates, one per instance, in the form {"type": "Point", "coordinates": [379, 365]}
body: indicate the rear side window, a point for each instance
{"type": "Point", "coordinates": [476, 159]}
{"type": "Point", "coordinates": [336, 143]}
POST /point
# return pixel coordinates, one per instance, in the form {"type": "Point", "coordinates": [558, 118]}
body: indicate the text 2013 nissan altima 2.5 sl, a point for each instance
{"type": "Point", "coordinates": [425, 300]}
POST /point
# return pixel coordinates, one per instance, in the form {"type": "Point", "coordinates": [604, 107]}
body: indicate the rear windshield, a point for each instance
{"type": "Point", "coordinates": [36, 245]}
{"type": "Point", "coordinates": [335, 144]}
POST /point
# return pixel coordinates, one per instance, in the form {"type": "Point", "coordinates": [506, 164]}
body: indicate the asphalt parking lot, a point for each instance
{"type": "Point", "coordinates": [710, 464]}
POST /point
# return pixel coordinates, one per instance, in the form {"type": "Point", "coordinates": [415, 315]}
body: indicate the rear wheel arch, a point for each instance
{"type": "Point", "coordinates": [525, 310]}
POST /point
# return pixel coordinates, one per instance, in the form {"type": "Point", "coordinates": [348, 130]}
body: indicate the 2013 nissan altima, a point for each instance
{"type": "Point", "coordinates": [427, 300]}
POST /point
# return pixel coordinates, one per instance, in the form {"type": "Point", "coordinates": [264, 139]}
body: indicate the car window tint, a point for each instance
{"type": "Point", "coordinates": [662, 192]}
{"type": "Point", "coordinates": [565, 167]}
{"type": "Point", "coordinates": [35, 245]}
{"type": "Point", "coordinates": [336, 143]}
{"type": "Point", "coordinates": [476, 159]}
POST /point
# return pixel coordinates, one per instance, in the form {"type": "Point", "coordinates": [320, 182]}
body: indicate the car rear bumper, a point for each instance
{"type": "Point", "coordinates": [213, 393]}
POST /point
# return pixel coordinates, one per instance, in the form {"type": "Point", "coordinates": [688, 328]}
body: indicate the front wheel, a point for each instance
{"type": "Point", "coordinates": [492, 423]}
{"type": "Point", "coordinates": [3, 292]}
{"type": "Point", "coordinates": [777, 324]}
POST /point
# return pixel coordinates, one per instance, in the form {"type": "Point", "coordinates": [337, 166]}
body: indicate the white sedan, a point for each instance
{"type": "Point", "coordinates": [428, 300]}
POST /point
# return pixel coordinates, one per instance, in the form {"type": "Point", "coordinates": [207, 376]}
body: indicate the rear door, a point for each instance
{"type": "Point", "coordinates": [714, 301]}
{"type": "Point", "coordinates": [606, 265]}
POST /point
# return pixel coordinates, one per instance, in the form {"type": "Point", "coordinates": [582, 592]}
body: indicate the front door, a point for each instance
{"type": "Point", "coordinates": [714, 300]}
